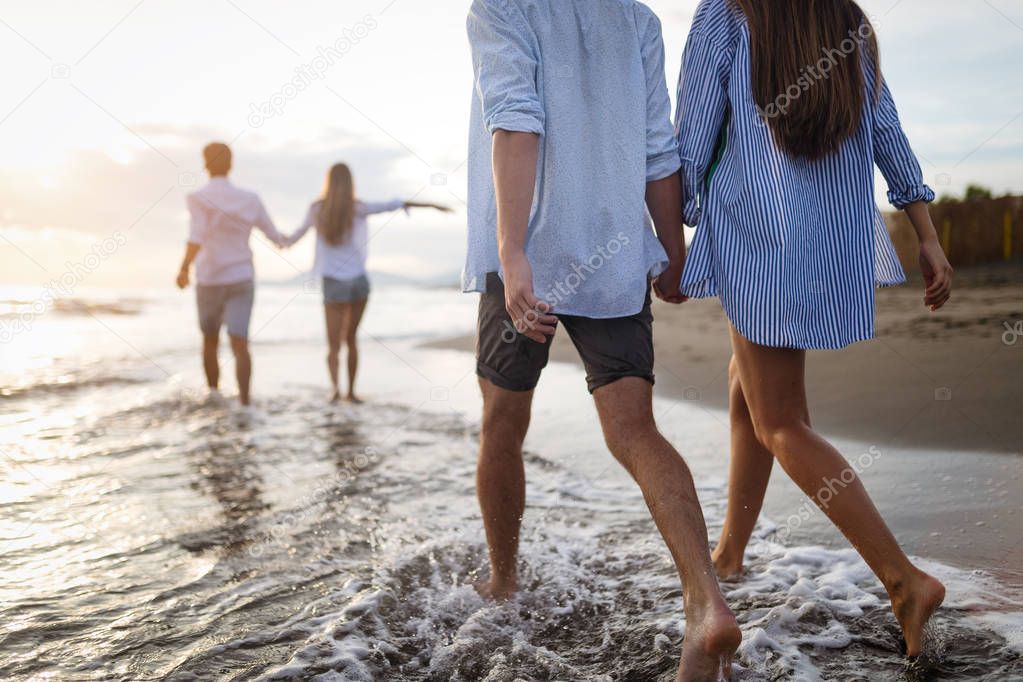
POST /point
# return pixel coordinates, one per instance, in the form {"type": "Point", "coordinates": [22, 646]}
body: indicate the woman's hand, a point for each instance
{"type": "Point", "coordinates": [530, 315]}
{"type": "Point", "coordinates": [937, 274]}
{"type": "Point", "coordinates": [182, 280]}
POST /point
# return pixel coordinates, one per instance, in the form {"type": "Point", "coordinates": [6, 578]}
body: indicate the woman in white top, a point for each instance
{"type": "Point", "coordinates": [342, 240]}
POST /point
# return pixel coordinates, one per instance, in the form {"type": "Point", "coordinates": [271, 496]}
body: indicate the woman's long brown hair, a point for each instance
{"type": "Point", "coordinates": [337, 210]}
{"type": "Point", "coordinates": [807, 67]}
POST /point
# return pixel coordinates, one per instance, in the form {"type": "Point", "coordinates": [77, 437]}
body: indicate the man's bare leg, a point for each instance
{"type": "Point", "coordinates": [242, 367]}
{"type": "Point", "coordinates": [501, 483]}
{"type": "Point", "coordinates": [626, 415]}
{"type": "Point", "coordinates": [210, 363]}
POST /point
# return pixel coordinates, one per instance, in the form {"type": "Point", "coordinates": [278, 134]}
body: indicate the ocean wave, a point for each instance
{"type": "Point", "coordinates": [67, 384]}
{"type": "Point", "coordinates": [593, 615]}
{"type": "Point", "coordinates": [13, 309]}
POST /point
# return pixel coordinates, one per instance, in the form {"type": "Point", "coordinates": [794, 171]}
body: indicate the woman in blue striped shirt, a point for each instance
{"type": "Point", "coordinates": [782, 115]}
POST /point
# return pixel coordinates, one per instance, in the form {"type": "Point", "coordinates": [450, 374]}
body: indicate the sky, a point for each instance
{"type": "Point", "coordinates": [105, 107]}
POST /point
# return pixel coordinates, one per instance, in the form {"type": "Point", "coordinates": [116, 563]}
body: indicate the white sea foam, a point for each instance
{"type": "Point", "coordinates": [600, 601]}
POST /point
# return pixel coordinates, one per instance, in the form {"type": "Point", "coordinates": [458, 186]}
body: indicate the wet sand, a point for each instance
{"type": "Point", "coordinates": [943, 390]}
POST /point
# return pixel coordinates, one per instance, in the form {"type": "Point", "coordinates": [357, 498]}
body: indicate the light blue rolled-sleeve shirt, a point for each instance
{"type": "Point", "coordinates": [588, 78]}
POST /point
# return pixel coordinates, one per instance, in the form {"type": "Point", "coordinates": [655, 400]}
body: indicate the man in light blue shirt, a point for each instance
{"type": "Point", "coordinates": [571, 145]}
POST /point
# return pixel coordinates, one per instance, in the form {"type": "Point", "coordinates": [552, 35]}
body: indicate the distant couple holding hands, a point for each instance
{"type": "Point", "coordinates": [222, 216]}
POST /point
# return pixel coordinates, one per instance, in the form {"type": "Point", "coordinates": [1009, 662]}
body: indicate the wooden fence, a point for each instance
{"type": "Point", "coordinates": [972, 232]}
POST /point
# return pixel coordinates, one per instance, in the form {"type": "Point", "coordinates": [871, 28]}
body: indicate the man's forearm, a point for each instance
{"type": "Point", "coordinates": [664, 201]}
{"type": "Point", "coordinates": [514, 158]}
{"type": "Point", "coordinates": [191, 251]}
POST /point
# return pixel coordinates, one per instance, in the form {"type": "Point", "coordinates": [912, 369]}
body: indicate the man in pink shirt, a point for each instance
{"type": "Point", "coordinates": [222, 218]}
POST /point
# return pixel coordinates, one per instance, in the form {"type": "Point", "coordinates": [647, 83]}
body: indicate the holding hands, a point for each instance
{"type": "Point", "coordinates": [667, 285]}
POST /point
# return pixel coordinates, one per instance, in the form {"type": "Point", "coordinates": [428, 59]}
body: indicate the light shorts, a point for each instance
{"type": "Point", "coordinates": [220, 303]}
{"type": "Point", "coordinates": [345, 290]}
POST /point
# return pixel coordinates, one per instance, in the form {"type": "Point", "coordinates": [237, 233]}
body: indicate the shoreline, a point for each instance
{"type": "Point", "coordinates": [951, 370]}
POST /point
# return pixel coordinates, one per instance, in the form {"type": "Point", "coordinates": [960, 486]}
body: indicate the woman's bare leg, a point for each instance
{"type": "Point", "coordinates": [749, 472]}
{"type": "Point", "coordinates": [335, 316]}
{"type": "Point", "coordinates": [353, 316]}
{"type": "Point", "coordinates": [773, 385]}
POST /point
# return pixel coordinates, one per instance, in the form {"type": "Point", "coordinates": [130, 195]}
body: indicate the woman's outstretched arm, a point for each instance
{"type": "Point", "coordinates": [426, 204]}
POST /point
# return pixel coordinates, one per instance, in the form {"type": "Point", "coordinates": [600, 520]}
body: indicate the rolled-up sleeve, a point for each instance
{"type": "Point", "coordinates": [895, 157]}
{"type": "Point", "coordinates": [662, 157]}
{"type": "Point", "coordinates": [198, 221]}
{"type": "Point", "coordinates": [505, 61]}
{"type": "Point", "coordinates": [702, 104]}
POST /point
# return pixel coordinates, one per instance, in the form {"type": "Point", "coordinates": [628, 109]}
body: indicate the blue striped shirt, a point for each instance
{"type": "Point", "coordinates": [588, 77]}
{"type": "Point", "coordinates": [793, 248]}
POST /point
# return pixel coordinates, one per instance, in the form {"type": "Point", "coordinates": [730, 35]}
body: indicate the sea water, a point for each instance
{"type": "Point", "coordinates": [151, 533]}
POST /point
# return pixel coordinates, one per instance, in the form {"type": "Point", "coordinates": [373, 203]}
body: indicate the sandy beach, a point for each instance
{"type": "Point", "coordinates": [942, 389]}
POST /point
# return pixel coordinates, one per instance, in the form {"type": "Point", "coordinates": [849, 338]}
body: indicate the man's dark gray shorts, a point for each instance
{"type": "Point", "coordinates": [611, 349]}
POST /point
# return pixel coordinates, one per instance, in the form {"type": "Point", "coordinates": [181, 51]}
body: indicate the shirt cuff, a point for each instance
{"type": "Point", "coordinates": [904, 196]}
{"type": "Point", "coordinates": [661, 166]}
{"type": "Point", "coordinates": [527, 121]}
{"type": "Point", "coordinates": [692, 212]}
{"type": "Point", "coordinates": [692, 207]}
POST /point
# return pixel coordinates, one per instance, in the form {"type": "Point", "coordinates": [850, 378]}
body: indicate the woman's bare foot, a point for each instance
{"type": "Point", "coordinates": [726, 566]}
{"type": "Point", "coordinates": [354, 399]}
{"type": "Point", "coordinates": [914, 603]}
{"type": "Point", "coordinates": [496, 590]}
{"type": "Point", "coordinates": [709, 645]}
{"type": "Point", "coordinates": [335, 397]}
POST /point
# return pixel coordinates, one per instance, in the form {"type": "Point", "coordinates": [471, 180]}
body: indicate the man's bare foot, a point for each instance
{"type": "Point", "coordinates": [914, 603]}
{"type": "Point", "coordinates": [726, 566]}
{"type": "Point", "coordinates": [709, 645]}
{"type": "Point", "coordinates": [354, 399]}
{"type": "Point", "coordinates": [498, 591]}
